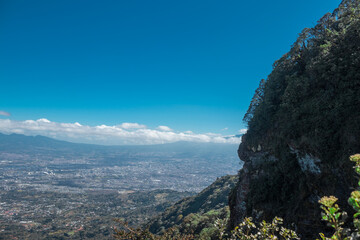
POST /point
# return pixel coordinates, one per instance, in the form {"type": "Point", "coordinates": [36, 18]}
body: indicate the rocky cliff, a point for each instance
{"type": "Point", "coordinates": [288, 185]}
{"type": "Point", "coordinates": [303, 124]}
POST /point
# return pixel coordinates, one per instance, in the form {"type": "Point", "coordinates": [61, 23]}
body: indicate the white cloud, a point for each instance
{"type": "Point", "coordinates": [224, 129]}
{"type": "Point", "coordinates": [3, 113]}
{"type": "Point", "coordinates": [131, 125]}
{"type": "Point", "coordinates": [164, 128]}
{"type": "Point", "coordinates": [126, 133]}
{"type": "Point", "coordinates": [243, 131]}
{"type": "Point", "coordinates": [43, 120]}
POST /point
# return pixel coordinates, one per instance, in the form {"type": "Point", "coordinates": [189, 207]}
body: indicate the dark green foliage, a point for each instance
{"type": "Point", "coordinates": [311, 98]}
{"type": "Point", "coordinates": [309, 104]}
{"type": "Point", "coordinates": [255, 101]}
{"type": "Point", "coordinates": [194, 214]}
{"type": "Point", "coordinates": [335, 218]}
{"type": "Point", "coordinates": [354, 199]}
{"type": "Point", "coordinates": [276, 189]}
{"type": "Point", "coordinates": [202, 225]}
{"type": "Point", "coordinates": [130, 233]}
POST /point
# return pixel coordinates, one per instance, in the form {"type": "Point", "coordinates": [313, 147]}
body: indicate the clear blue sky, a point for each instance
{"type": "Point", "coordinates": [190, 65]}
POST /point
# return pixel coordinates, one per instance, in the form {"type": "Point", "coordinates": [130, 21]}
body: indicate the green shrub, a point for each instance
{"type": "Point", "coordinates": [248, 230]}
{"type": "Point", "coordinates": [335, 218]}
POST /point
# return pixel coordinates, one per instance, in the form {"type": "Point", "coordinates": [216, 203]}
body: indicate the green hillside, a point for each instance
{"type": "Point", "coordinates": [197, 214]}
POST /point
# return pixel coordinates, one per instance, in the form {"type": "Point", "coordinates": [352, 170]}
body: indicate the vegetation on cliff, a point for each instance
{"type": "Point", "coordinates": [311, 98]}
{"type": "Point", "coordinates": [303, 123]}
{"type": "Point", "coordinates": [197, 215]}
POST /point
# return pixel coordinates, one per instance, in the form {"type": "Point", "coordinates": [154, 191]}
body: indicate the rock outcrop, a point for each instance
{"type": "Point", "coordinates": [303, 124]}
{"type": "Point", "coordinates": [289, 186]}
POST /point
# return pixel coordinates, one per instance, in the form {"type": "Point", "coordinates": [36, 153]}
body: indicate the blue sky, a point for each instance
{"type": "Point", "coordinates": [189, 65]}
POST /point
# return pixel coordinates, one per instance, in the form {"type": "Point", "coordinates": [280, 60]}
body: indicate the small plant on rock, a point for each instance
{"type": "Point", "coordinates": [335, 218]}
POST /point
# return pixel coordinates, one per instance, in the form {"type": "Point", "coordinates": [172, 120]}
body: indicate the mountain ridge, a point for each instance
{"type": "Point", "coordinates": [42, 139]}
{"type": "Point", "coordinates": [303, 124]}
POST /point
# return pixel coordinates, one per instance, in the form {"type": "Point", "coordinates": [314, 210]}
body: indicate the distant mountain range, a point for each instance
{"type": "Point", "coordinates": [22, 143]}
{"type": "Point", "coordinates": [179, 166]}
{"type": "Point", "coordinates": [18, 143]}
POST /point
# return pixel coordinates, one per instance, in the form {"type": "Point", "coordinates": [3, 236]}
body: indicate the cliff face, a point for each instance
{"type": "Point", "coordinates": [303, 124]}
{"type": "Point", "coordinates": [288, 185]}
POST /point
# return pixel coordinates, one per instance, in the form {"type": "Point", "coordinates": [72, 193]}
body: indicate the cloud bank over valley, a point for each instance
{"type": "Point", "coordinates": [122, 134]}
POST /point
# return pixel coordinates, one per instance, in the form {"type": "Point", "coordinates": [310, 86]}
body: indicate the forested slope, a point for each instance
{"type": "Point", "coordinates": [303, 124]}
{"type": "Point", "coordinates": [197, 214]}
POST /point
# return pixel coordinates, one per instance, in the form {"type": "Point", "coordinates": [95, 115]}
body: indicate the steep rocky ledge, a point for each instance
{"type": "Point", "coordinates": [287, 185]}
{"type": "Point", "coordinates": [303, 124]}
